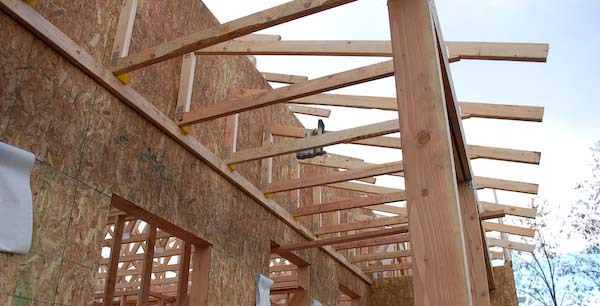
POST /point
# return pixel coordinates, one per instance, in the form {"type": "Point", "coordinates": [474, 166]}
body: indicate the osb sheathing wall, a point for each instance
{"type": "Point", "coordinates": [398, 291]}
{"type": "Point", "coordinates": [89, 145]}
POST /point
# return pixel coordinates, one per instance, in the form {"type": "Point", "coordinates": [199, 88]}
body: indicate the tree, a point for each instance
{"type": "Point", "coordinates": [551, 278]}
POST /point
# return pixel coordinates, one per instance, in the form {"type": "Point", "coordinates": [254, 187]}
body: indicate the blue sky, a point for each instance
{"type": "Point", "coordinates": [566, 85]}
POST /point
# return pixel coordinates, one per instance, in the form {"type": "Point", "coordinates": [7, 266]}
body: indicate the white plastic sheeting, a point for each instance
{"type": "Point", "coordinates": [263, 290]}
{"type": "Point", "coordinates": [16, 211]}
{"type": "Point", "coordinates": [315, 303]}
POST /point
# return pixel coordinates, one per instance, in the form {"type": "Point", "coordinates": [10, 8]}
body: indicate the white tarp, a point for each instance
{"type": "Point", "coordinates": [263, 290]}
{"type": "Point", "coordinates": [315, 303]}
{"type": "Point", "coordinates": [16, 211]}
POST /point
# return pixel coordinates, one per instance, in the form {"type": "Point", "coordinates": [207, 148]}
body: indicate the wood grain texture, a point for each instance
{"type": "Point", "coordinates": [230, 30]}
{"type": "Point", "coordinates": [439, 254]}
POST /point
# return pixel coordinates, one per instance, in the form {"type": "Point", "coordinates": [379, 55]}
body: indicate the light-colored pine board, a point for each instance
{"type": "Point", "coordinates": [379, 256]}
{"type": "Point", "coordinates": [509, 229]}
{"type": "Point", "coordinates": [124, 29]}
{"type": "Point", "coordinates": [224, 32]}
{"type": "Point", "coordinates": [311, 111]}
{"type": "Point", "coordinates": [326, 139]}
{"type": "Point", "coordinates": [283, 94]}
{"type": "Point", "coordinates": [349, 204]}
{"type": "Point", "coordinates": [511, 210]}
{"type": "Point", "coordinates": [284, 78]}
{"type": "Point", "coordinates": [334, 177]}
{"type": "Point", "coordinates": [186, 85]}
{"type": "Point", "coordinates": [440, 272]}
{"type": "Point", "coordinates": [79, 57]}
{"type": "Point", "coordinates": [507, 185]}
{"type": "Point", "coordinates": [359, 225]}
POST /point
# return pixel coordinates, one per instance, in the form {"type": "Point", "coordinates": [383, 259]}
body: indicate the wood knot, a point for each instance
{"type": "Point", "coordinates": [423, 138]}
{"type": "Point", "coordinates": [424, 192]}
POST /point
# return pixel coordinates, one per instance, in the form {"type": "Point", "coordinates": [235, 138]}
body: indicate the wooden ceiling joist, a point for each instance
{"type": "Point", "coordinates": [339, 240]}
{"type": "Point", "coordinates": [362, 132]}
{"type": "Point", "coordinates": [224, 32]}
{"type": "Point", "coordinates": [392, 267]}
{"type": "Point", "coordinates": [290, 92]}
{"type": "Point", "coordinates": [77, 55]}
{"type": "Point", "coordinates": [507, 244]}
{"type": "Point", "coordinates": [507, 185]}
{"type": "Point", "coordinates": [296, 132]}
{"type": "Point", "coordinates": [311, 111]}
{"type": "Point", "coordinates": [511, 210]}
{"type": "Point", "coordinates": [373, 242]}
{"type": "Point", "coordinates": [353, 226]}
{"type": "Point", "coordinates": [379, 256]}
{"type": "Point", "coordinates": [458, 50]}
{"type": "Point", "coordinates": [509, 229]}
{"type": "Point", "coordinates": [365, 188]}
{"type": "Point", "coordinates": [475, 151]}
{"type": "Point", "coordinates": [349, 204]}
{"type": "Point", "coordinates": [284, 78]}
{"type": "Point", "coordinates": [335, 177]}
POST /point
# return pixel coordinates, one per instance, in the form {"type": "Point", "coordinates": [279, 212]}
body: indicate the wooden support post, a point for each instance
{"type": "Point", "coordinates": [266, 170]}
{"type": "Point", "coordinates": [317, 196]}
{"type": "Point", "coordinates": [295, 173]}
{"type": "Point", "coordinates": [113, 266]}
{"type": "Point", "coordinates": [184, 273]}
{"type": "Point", "coordinates": [186, 85]}
{"type": "Point", "coordinates": [231, 135]}
{"type": "Point", "coordinates": [476, 249]}
{"type": "Point", "coordinates": [439, 254]}
{"type": "Point", "coordinates": [146, 277]}
{"type": "Point", "coordinates": [200, 276]}
{"type": "Point", "coordinates": [304, 282]}
{"type": "Point", "coordinates": [124, 30]}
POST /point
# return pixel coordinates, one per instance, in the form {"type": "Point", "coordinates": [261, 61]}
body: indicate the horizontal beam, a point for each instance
{"type": "Point", "coordinates": [364, 188]}
{"type": "Point", "coordinates": [284, 78]}
{"type": "Point", "coordinates": [342, 239]}
{"type": "Point", "coordinates": [224, 32]}
{"type": "Point", "coordinates": [380, 256]}
{"type": "Point", "coordinates": [492, 183]}
{"type": "Point", "coordinates": [511, 245]}
{"type": "Point", "coordinates": [349, 204]}
{"type": "Point", "coordinates": [78, 56]}
{"type": "Point", "coordinates": [298, 132]}
{"type": "Point", "coordinates": [392, 267]}
{"type": "Point", "coordinates": [468, 109]}
{"type": "Point", "coordinates": [334, 177]}
{"type": "Point", "coordinates": [326, 139]}
{"type": "Point", "coordinates": [353, 226]}
{"type": "Point", "coordinates": [501, 111]}
{"type": "Point", "coordinates": [311, 111]}
{"type": "Point", "coordinates": [520, 156]}
{"type": "Point", "coordinates": [493, 214]}
{"type": "Point", "coordinates": [259, 37]}
{"type": "Point", "coordinates": [290, 92]}
{"type": "Point", "coordinates": [373, 242]}
{"type": "Point", "coordinates": [509, 229]}
{"type": "Point", "coordinates": [511, 210]}
{"type": "Point", "coordinates": [458, 50]}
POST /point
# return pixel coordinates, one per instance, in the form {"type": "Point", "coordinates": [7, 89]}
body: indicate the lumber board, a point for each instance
{"type": "Point", "coordinates": [507, 244]}
{"type": "Point", "coordinates": [147, 267]}
{"type": "Point", "coordinates": [364, 188]}
{"type": "Point", "coordinates": [379, 256]}
{"type": "Point", "coordinates": [509, 229]}
{"type": "Point", "coordinates": [290, 92]}
{"type": "Point", "coordinates": [79, 57]}
{"type": "Point", "coordinates": [186, 85]}
{"type": "Point", "coordinates": [373, 242]}
{"type": "Point", "coordinates": [392, 267]}
{"type": "Point", "coordinates": [507, 185]}
{"type": "Point", "coordinates": [468, 109]}
{"type": "Point", "coordinates": [362, 132]}
{"type": "Point", "coordinates": [511, 210]}
{"type": "Point", "coordinates": [501, 111]}
{"type": "Point", "coordinates": [113, 265]}
{"type": "Point", "coordinates": [341, 239]}
{"type": "Point", "coordinates": [284, 78]}
{"type": "Point", "coordinates": [531, 52]}
{"type": "Point", "coordinates": [377, 222]}
{"type": "Point", "coordinates": [124, 31]}
{"type": "Point", "coordinates": [334, 177]}
{"type": "Point", "coordinates": [311, 111]}
{"type": "Point", "coordinates": [520, 156]}
{"type": "Point", "coordinates": [224, 32]}
{"type": "Point", "coordinates": [298, 132]}
{"type": "Point", "coordinates": [440, 269]}
{"type": "Point", "coordinates": [349, 204]}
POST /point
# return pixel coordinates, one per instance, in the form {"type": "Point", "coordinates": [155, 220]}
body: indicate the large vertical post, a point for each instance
{"type": "Point", "coordinates": [146, 280]}
{"type": "Point", "coordinates": [437, 240]}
